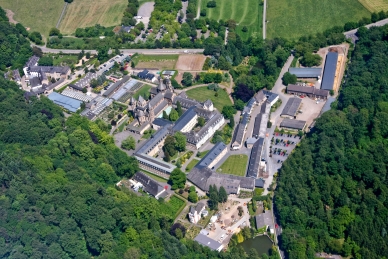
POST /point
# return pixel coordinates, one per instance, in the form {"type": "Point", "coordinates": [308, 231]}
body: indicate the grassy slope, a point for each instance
{"type": "Point", "coordinates": [292, 19]}
{"type": "Point", "coordinates": [38, 15]}
{"type": "Point", "coordinates": [192, 164]}
{"type": "Point", "coordinates": [202, 94]}
{"type": "Point", "coordinates": [246, 13]}
{"type": "Point", "coordinates": [85, 13]}
{"type": "Point", "coordinates": [235, 164]}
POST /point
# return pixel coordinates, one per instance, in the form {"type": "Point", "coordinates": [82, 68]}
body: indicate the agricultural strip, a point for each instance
{"type": "Point", "coordinates": [27, 12]}
{"type": "Point", "coordinates": [375, 5]}
{"type": "Point", "coordinates": [86, 13]}
{"type": "Point", "coordinates": [247, 13]}
{"type": "Point", "coordinates": [293, 19]}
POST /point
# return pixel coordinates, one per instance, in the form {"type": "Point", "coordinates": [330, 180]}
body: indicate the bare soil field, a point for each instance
{"type": "Point", "coordinates": [86, 13]}
{"type": "Point", "coordinates": [10, 15]}
{"type": "Point", "coordinates": [190, 62]}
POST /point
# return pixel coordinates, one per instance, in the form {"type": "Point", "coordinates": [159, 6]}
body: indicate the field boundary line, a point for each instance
{"type": "Point", "coordinates": [62, 14]}
{"type": "Point", "coordinates": [244, 14]}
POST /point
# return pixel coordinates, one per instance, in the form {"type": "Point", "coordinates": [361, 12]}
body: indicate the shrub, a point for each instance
{"type": "Point", "coordinates": [211, 4]}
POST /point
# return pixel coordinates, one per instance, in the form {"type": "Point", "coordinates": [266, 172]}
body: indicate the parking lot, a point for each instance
{"type": "Point", "coordinates": [282, 145]}
{"type": "Point", "coordinates": [310, 109]}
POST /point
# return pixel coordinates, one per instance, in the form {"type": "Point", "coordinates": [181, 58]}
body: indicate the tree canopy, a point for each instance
{"type": "Point", "coordinates": [331, 194]}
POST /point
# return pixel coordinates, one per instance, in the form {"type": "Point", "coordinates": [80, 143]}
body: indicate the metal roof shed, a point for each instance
{"type": "Point", "coordinates": [291, 107]}
{"type": "Point", "coordinates": [293, 124]}
{"type": "Point", "coordinates": [66, 102]}
{"type": "Point", "coordinates": [306, 72]}
{"type": "Point", "coordinates": [329, 71]}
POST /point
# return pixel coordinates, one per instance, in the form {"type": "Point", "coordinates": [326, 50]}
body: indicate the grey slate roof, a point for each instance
{"type": "Point", "coordinates": [195, 137]}
{"type": "Point", "coordinates": [260, 96]}
{"type": "Point", "coordinates": [35, 81]}
{"type": "Point", "coordinates": [207, 241]}
{"type": "Point", "coordinates": [66, 102]}
{"type": "Point", "coordinates": [211, 155]}
{"type": "Point", "coordinates": [50, 69]}
{"type": "Point", "coordinates": [264, 219]}
{"type": "Point", "coordinates": [259, 183]}
{"type": "Point", "coordinates": [184, 119]}
{"type": "Point", "coordinates": [154, 140]}
{"type": "Point", "coordinates": [200, 206]}
{"type": "Point", "coordinates": [305, 72]}
{"type": "Point", "coordinates": [255, 158]}
{"type": "Point", "coordinates": [249, 106]}
{"type": "Point", "coordinates": [143, 74]}
{"type": "Point", "coordinates": [32, 61]}
{"type": "Point", "coordinates": [293, 124]}
{"type": "Point", "coordinates": [270, 95]}
{"type": "Point", "coordinates": [238, 136]}
{"type": "Point", "coordinates": [16, 75]}
{"type": "Point", "coordinates": [154, 101]}
{"type": "Point", "coordinates": [292, 106]}
{"type": "Point", "coordinates": [116, 85]}
{"type": "Point", "coordinates": [329, 71]}
{"type": "Point", "coordinates": [185, 102]}
{"type": "Point", "coordinates": [260, 126]}
{"type": "Point", "coordinates": [149, 185]}
{"type": "Point", "coordinates": [307, 90]}
{"type": "Point", "coordinates": [161, 122]}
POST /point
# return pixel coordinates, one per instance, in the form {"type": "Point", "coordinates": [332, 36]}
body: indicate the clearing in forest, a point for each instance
{"type": "Point", "coordinates": [375, 5]}
{"type": "Point", "coordinates": [39, 15]}
{"type": "Point", "coordinates": [293, 19]}
{"type": "Point", "coordinates": [86, 13]}
{"type": "Point", "coordinates": [247, 13]}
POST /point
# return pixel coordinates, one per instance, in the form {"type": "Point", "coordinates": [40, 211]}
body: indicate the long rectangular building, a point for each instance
{"type": "Point", "coordinates": [311, 92]}
{"type": "Point", "coordinates": [305, 72]}
{"type": "Point", "coordinates": [255, 158]}
{"type": "Point", "coordinates": [329, 72]}
{"type": "Point", "coordinates": [213, 156]}
{"type": "Point", "coordinates": [291, 108]}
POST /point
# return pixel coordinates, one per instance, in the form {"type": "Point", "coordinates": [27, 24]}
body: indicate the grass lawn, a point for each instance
{"type": "Point", "coordinates": [122, 125]}
{"type": "Point", "coordinates": [39, 15]}
{"type": "Point", "coordinates": [247, 13]}
{"type": "Point", "coordinates": [203, 153]}
{"type": "Point", "coordinates": [155, 177]}
{"type": "Point", "coordinates": [235, 164]}
{"type": "Point", "coordinates": [293, 19]}
{"type": "Point", "coordinates": [86, 13]}
{"type": "Point", "coordinates": [64, 60]}
{"type": "Point", "coordinates": [191, 164]}
{"type": "Point", "coordinates": [155, 61]}
{"type": "Point", "coordinates": [145, 89]}
{"type": "Point", "coordinates": [202, 94]}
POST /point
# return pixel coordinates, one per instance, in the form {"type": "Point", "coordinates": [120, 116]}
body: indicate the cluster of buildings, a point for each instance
{"type": "Point", "coordinates": [43, 79]}
{"type": "Point", "coordinates": [328, 77]}
{"type": "Point", "coordinates": [149, 113]}
{"type": "Point", "coordinates": [203, 175]}
{"type": "Point", "coordinates": [147, 184]}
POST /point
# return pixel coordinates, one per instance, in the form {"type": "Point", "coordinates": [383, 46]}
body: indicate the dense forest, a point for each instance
{"type": "Point", "coordinates": [332, 192]}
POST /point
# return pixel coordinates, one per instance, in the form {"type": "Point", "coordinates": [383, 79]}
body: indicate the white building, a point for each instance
{"type": "Point", "coordinates": [195, 212]}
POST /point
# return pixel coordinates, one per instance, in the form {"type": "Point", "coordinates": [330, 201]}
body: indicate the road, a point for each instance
{"type": "Point", "coordinates": [352, 34]}
{"type": "Point", "coordinates": [264, 18]}
{"type": "Point", "coordinates": [126, 51]}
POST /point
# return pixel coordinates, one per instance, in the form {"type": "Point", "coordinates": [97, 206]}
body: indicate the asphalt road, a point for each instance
{"type": "Point", "coordinates": [352, 34]}
{"type": "Point", "coordinates": [126, 51]}
{"type": "Point", "coordinates": [264, 18]}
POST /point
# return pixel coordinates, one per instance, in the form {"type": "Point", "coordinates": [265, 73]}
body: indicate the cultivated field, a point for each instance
{"type": "Point", "coordinates": [39, 15]}
{"type": "Point", "coordinates": [375, 5]}
{"type": "Point", "coordinates": [293, 19]}
{"type": "Point", "coordinates": [86, 13]}
{"type": "Point", "coordinates": [235, 164]}
{"type": "Point", "coordinates": [247, 13]}
{"type": "Point", "coordinates": [202, 94]}
{"type": "Point", "coordinates": [190, 62]}
{"type": "Point", "coordinates": [155, 61]}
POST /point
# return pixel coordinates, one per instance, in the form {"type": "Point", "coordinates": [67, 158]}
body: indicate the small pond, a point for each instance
{"type": "Point", "coordinates": [262, 244]}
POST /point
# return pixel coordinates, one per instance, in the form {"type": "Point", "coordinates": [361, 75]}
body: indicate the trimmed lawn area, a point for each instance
{"type": "Point", "coordinates": [39, 15]}
{"type": "Point", "coordinates": [155, 61]}
{"type": "Point", "coordinates": [191, 164]}
{"type": "Point", "coordinates": [86, 13]}
{"type": "Point", "coordinates": [64, 60]}
{"type": "Point", "coordinates": [247, 13]}
{"type": "Point", "coordinates": [203, 153]}
{"type": "Point", "coordinates": [293, 19]}
{"type": "Point", "coordinates": [202, 94]}
{"type": "Point", "coordinates": [235, 164]}
{"type": "Point", "coordinates": [145, 89]}
{"type": "Point", "coordinates": [155, 177]}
